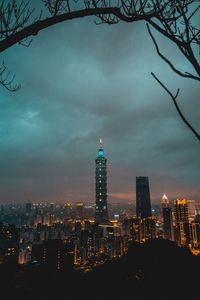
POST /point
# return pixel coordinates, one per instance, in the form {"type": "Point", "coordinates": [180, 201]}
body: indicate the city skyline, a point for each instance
{"type": "Point", "coordinates": [127, 198]}
{"type": "Point", "coordinates": [99, 149]}
{"type": "Point", "coordinates": [69, 98]}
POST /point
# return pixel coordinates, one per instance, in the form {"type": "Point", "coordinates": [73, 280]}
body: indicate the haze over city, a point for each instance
{"type": "Point", "coordinates": [81, 82]}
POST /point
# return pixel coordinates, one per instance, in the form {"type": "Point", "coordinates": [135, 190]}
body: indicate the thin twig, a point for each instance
{"type": "Point", "coordinates": [7, 81]}
{"type": "Point", "coordinates": [196, 134]}
{"type": "Point", "coordinates": [186, 74]}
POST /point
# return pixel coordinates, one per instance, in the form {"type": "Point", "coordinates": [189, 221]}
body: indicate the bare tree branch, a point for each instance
{"type": "Point", "coordinates": [174, 97]}
{"type": "Point", "coordinates": [7, 80]}
{"type": "Point", "coordinates": [186, 74]}
{"type": "Point", "coordinates": [174, 19]}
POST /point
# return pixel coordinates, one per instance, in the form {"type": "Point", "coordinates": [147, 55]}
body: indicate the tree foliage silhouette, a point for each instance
{"type": "Point", "coordinates": [156, 269]}
{"type": "Point", "coordinates": [174, 19]}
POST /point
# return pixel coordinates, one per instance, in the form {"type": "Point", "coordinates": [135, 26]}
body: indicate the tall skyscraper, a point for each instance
{"type": "Point", "coordinates": [143, 202]}
{"type": "Point", "coordinates": [167, 219]}
{"type": "Point", "coordinates": [101, 209]}
{"type": "Point", "coordinates": [181, 221]}
{"type": "Point", "coordinates": [181, 211]}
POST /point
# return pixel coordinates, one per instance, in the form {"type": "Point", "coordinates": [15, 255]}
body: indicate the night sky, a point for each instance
{"type": "Point", "coordinates": [81, 82]}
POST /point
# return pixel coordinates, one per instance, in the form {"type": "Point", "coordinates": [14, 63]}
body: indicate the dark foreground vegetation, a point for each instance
{"type": "Point", "coordinates": [157, 269]}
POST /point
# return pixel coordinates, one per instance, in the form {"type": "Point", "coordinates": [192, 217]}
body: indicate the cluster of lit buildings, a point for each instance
{"type": "Point", "coordinates": [75, 236]}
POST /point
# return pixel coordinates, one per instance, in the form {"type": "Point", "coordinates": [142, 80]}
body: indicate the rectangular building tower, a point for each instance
{"type": "Point", "coordinates": [101, 209]}
{"type": "Point", "coordinates": [181, 222]}
{"type": "Point", "coordinates": [143, 202]}
{"type": "Point", "coordinates": [168, 231]}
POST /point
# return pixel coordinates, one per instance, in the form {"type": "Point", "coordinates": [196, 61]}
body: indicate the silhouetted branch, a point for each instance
{"type": "Point", "coordinates": [7, 80]}
{"type": "Point", "coordinates": [34, 28]}
{"type": "Point", "coordinates": [170, 18]}
{"type": "Point", "coordinates": [174, 97]}
{"type": "Point", "coordinates": [13, 17]}
{"type": "Point", "coordinates": [26, 43]}
{"type": "Point", "coordinates": [186, 74]}
{"type": "Point", "coordinates": [174, 19]}
{"type": "Point", "coordinates": [12, 32]}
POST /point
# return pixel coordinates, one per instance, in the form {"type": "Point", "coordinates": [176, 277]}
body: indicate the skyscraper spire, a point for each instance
{"type": "Point", "coordinates": [101, 144]}
{"type": "Point", "coordinates": [165, 200]}
{"type": "Point", "coordinates": [100, 152]}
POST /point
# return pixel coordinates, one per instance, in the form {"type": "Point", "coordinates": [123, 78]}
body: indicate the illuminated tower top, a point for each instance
{"type": "Point", "coordinates": [168, 231]}
{"type": "Point", "coordinates": [100, 151]}
{"type": "Point", "coordinates": [165, 201]}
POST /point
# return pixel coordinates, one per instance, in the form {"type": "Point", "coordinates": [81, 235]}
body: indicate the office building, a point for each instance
{"type": "Point", "coordinates": [135, 229]}
{"type": "Point", "coordinates": [143, 202]}
{"type": "Point", "coordinates": [9, 243]}
{"type": "Point", "coordinates": [182, 232]}
{"type": "Point", "coordinates": [148, 228]}
{"type": "Point", "coordinates": [195, 234]}
{"type": "Point", "coordinates": [167, 219]}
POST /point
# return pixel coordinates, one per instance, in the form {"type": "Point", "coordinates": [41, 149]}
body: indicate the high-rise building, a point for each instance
{"type": "Point", "coordinates": [181, 222]}
{"type": "Point", "coordinates": [56, 254]}
{"type": "Point", "coordinates": [143, 202]}
{"type": "Point", "coordinates": [28, 207]}
{"type": "Point", "coordinates": [135, 229]}
{"type": "Point", "coordinates": [195, 235]}
{"type": "Point", "coordinates": [181, 211]}
{"type": "Point", "coordinates": [79, 210]}
{"type": "Point", "coordinates": [68, 210]}
{"type": "Point", "coordinates": [167, 219]}
{"type": "Point", "coordinates": [101, 209]}
{"type": "Point", "coordinates": [9, 243]}
{"type": "Point", "coordinates": [148, 228]}
{"type": "Point", "coordinates": [191, 209]}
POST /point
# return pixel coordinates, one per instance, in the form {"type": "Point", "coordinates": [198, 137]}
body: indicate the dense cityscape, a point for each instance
{"type": "Point", "coordinates": [78, 222]}
{"type": "Point", "coordinates": [82, 237]}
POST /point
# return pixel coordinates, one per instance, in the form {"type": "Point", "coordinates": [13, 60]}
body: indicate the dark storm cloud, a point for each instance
{"type": "Point", "coordinates": [81, 82]}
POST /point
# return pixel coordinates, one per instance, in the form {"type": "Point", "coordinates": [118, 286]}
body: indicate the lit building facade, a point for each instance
{"type": "Point", "coordinates": [182, 229]}
{"type": "Point", "coordinates": [56, 254]}
{"type": "Point", "coordinates": [135, 229]}
{"type": "Point", "coordinates": [148, 228]}
{"type": "Point", "coordinates": [79, 210]}
{"type": "Point", "coordinates": [195, 234]}
{"type": "Point", "coordinates": [101, 208]}
{"type": "Point", "coordinates": [9, 243]}
{"type": "Point", "coordinates": [167, 219]}
{"type": "Point", "coordinates": [68, 210]}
